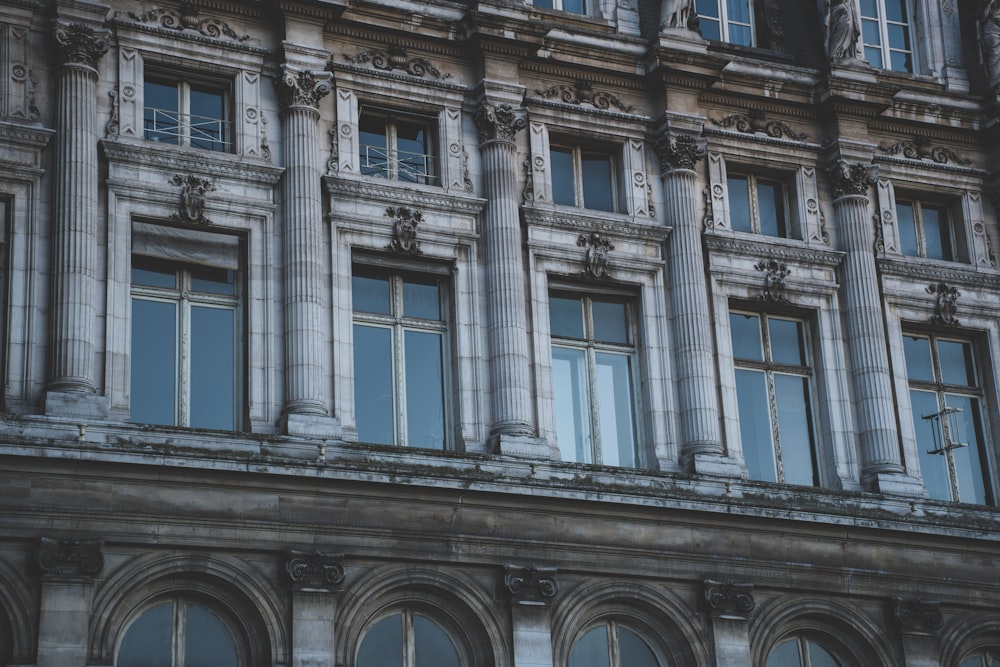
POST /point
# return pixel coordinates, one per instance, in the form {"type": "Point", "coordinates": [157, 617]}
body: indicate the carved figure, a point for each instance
{"type": "Point", "coordinates": [676, 13]}
{"type": "Point", "coordinates": [989, 39]}
{"type": "Point", "coordinates": [843, 26]}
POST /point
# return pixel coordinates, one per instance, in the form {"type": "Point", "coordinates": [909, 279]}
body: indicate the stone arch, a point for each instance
{"type": "Point", "coordinates": [967, 634]}
{"type": "Point", "coordinates": [17, 616]}
{"type": "Point", "coordinates": [232, 585]}
{"type": "Point", "coordinates": [838, 627]}
{"type": "Point", "coordinates": [451, 598]}
{"type": "Point", "coordinates": [654, 611]}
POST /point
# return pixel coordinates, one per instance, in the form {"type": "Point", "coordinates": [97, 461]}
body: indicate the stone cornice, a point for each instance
{"type": "Point", "coordinates": [173, 159]}
{"type": "Point", "coordinates": [763, 139]}
{"type": "Point", "coordinates": [807, 255]}
{"type": "Point", "coordinates": [621, 226]}
{"type": "Point", "coordinates": [929, 165]}
{"type": "Point", "coordinates": [962, 275]}
{"type": "Point", "coordinates": [25, 136]}
{"type": "Point", "coordinates": [395, 76]}
{"type": "Point", "coordinates": [586, 110]}
{"type": "Point", "coordinates": [392, 192]}
{"type": "Point", "coordinates": [188, 36]}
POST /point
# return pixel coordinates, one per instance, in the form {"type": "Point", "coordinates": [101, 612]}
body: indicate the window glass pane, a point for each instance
{"type": "Point", "coordinates": [373, 396]}
{"type": "Point", "coordinates": [213, 280]}
{"type": "Point", "coordinates": [610, 324]}
{"type": "Point", "coordinates": [935, 233]}
{"type": "Point", "coordinates": [424, 390]}
{"type": "Point", "coordinates": [615, 407]}
{"type": "Point", "coordinates": [755, 425]}
{"type": "Point", "coordinates": [371, 295]}
{"type": "Point", "coordinates": [413, 152]}
{"type": "Point", "coordinates": [153, 359]}
{"type": "Point", "coordinates": [739, 34]}
{"type": "Point", "coordinates": [598, 182]}
{"type": "Point", "coordinates": [160, 113]}
{"type": "Point", "coordinates": [895, 10]}
{"type": "Point", "coordinates": [151, 276]}
{"type": "Point", "coordinates": [707, 8]}
{"type": "Point", "coordinates": [786, 341]}
{"type": "Point", "coordinates": [710, 28]}
{"type": "Point", "coordinates": [771, 206]}
{"type": "Point", "coordinates": [208, 642]}
{"type": "Point", "coordinates": [956, 363]}
{"type": "Point", "coordinates": [563, 188]}
{"type": "Point", "coordinates": [966, 427]}
{"type": "Point", "coordinates": [575, 6]}
{"type": "Point", "coordinates": [874, 58]}
{"type": "Point", "coordinates": [900, 62]}
{"type": "Point", "coordinates": [213, 368]}
{"type": "Point", "coordinates": [433, 646]}
{"type": "Point", "coordinates": [421, 300]}
{"type": "Point", "coordinates": [383, 644]}
{"type": "Point", "coordinates": [918, 358]}
{"type": "Point", "coordinates": [907, 230]}
{"type": "Point", "coordinates": [738, 11]}
{"type": "Point", "coordinates": [795, 429]}
{"type": "Point", "coordinates": [899, 37]}
{"type": "Point", "coordinates": [373, 146]}
{"type": "Point", "coordinates": [566, 317]}
{"type": "Point", "coordinates": [745, 331]}
{"type": "Point", "coordinates": [633, 650]}
{"type": "Point", "coordinates": [591, 650]}
{"type": "Point", "coordinates": [207, 119]}
{"type": "Point", "coordinates": [932, 466]}
{"type": "Point", "coordinates": [786, 655]}
{"type": "Point", "coordinates": [571, 399]}
{"type": "Point", "coordinates": [148, 641]}
{"type": "Point", "coordinates": [976, 661]}
{"type": "Point", "coordinates": [870, 8]}
{"type": "Point", "coordinates": [739, 204]}
{"type": "Point", "coordinates": [820, 657]}
{"type": "Point", "coordinates": [546, 4]}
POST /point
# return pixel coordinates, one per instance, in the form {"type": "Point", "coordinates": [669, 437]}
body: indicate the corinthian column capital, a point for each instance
{"type": "Point", "coordinates": [498, 123]}
{"type": "Point", "coordinates": [302, 88]}
{"type": "Point", "coordinates": [678, 151]}
{"type": "Point", "coordinates": [851, 179]}
{"type": "Point", "coordinates": [80, 44]}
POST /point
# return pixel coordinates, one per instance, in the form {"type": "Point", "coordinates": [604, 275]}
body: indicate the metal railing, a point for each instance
{"type": "Point", "coordinates": [398, 165]}
{"type": "Point", "coordinates": [172, 127]}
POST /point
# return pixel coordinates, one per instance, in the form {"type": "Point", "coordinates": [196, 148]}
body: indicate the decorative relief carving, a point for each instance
{"type": "Point", "coordinates": [596, 260]}
{"type": "Point", "coordinates": [69, 558]}
{"type": "Point", "coordinates": [302, 87]}
{"type": "Point", "coordinates": [709, 218]}
{"type": "Point", "coordinates": [879, 245]}
{"type": "Point", "coordinates": [193, 192]}
{"type": "Point", "coordinates": [851, 179]}
{"type": "Point", "coordinates": [111, 127]}
{"type": "Point", "coordinates": [395, 57]}
{"type": "Point", "coordinates": [529, 182]}
{"type": "Point", "coordinates": [466, 178]}
{"type": "Point", "coordinates": [843, 30]}
{"type": "Point", "coordinates": [582, 93]}
{"type": "Point", "coordinates": [775, 273]}
{"type": "Point", "coordinates": [530, 583]}
{"type": "Point", "coordinates": [679, 151]}
{"type": "Point", "coordinates": [650, 206]}
{"type": "Point", "coordinates": [919, 148]}
{"type": "Point", "coordinates": [333, 164]}
{"type": "Point", "coordinates": [754, 122]}
{"type": "Point", "coordinates": [265, 148]}
{"type": "Point", "coordinates": [918, 616]}
{"type": "Point", "coordinates": [946, 303]}
{"type": "Point", "coordinates": [188, 19]}
{"type": "Point", "coordinates": [989, 39]}
{"type": "Point", "coordinates": [404, 229]}
{"type": "Point", "coordinates": [498, 122]}
{"type": "Point", "coordinates": [314, 571]}
{"type": "Point", "coordinates": [678, 14]}
{"type": "Point", "coordinates": [80, 44]}
{"type": "Point", "coordinates": [729, 600]}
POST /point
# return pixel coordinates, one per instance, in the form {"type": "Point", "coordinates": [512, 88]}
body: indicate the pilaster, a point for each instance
{"type": "Point", "coordinates": [531, 590]}
{"type": "Point", "coordinates": [315, 579]}
{"type": "Point", "coordinates": [730, 605]}
{"type": "Point", "coordinates": [68, 570]}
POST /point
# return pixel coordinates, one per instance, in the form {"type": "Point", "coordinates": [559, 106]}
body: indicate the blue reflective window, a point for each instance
{"type": "Point", "coordinates": [612, 644]}
{"type": "Point", "coordinates": [178, 633]}
{"type": "Point", "coordinates": [757, 205]}
{"type": "Point", "coordinates": [885, 33]}
{"type": "Point", "coordinates": [925, 230]}
{"type": "Point", "coordinates": [727, 20]}
{"type": "Point", "coordinates": [186, 112]}
{"type": "Point", "coordinates": [399, 147]}
{"type": "Point", "coordinates": [583, 178]}
{"type": "Point", "coordinates": [407, 639]}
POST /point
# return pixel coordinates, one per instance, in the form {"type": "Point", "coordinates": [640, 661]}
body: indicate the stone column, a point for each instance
{"type": "Point", "coordinates": [729, 607]}
{"type": "Point", "coordinates": [505, 292]}
{"type": "Point", "coordinates": [316, 578]}
{"type": "Point", "coordinates": [73, 383]}
{"type": "Point", "coordinates": [531, 590]}
{"type": "Point", "coordinates": [881, 457]}
{"type": "Point", "coordinates": [694, 353]}
{"type": "Point", "coordinates": [68, 571]}
{"type": "Point", "coordinates": [306, 310]}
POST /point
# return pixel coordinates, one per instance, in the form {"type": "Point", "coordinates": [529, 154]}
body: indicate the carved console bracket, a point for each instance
{"type": "Point", "coordinates": [69, 559]}
{"type": "Point", "coordinates": [919, 148]}
{"type": "Point", "coordinates": [921, 617]}
{"type": "Point", "coordinates": [583, 94]}
{"type": "Point", "coordinates": [596, 259]}
{"type": "Point", "coordinates": [193, 192]}
{"type": "Point", "coordinates": [726, 599]}
{"type": "Point", "coordinates": [754, 122]}
{"type": "Point", "coordinates": [530, 584]}
{"type": "Point", "coordinates": [775, 273]}
{"type": "Point", "coordinates": [404, 229]}
{"type": "Point", "coordinates": [315, 571]}
{"type": "Point", "coordinates": [946, 304]}
{"type": "Point", "coordinates": [395, 57]}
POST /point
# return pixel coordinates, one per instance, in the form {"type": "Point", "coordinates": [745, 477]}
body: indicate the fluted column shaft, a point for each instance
{"type": "Point", "coordinates": [505, 292]}
{"type": "Point", "coordinates": [305, 303]}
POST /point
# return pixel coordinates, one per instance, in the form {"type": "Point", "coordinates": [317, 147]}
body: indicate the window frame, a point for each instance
{"type": "Point", "coordinates": [409, 636]}
{"type": "Point", "coordinates": [947, 218]}
{"type": "Point", "coordinates": [805, 657]}
{"type": "Point", "coordinates": [392, 120]}
{"type": "Point", "coordinates": [884, 49]}
{"type": "Point", "coordinates": [783, 203]}
{"type": "Point", "coordinates": [723, 21]}
{"type": "Point", "coordinates": [612, 628]}
{"type": "Point", "coordinates": [578, 152]}
{"type": "Point", "coordinates": [6, 222]}
{"type": "Point", "coordinates": [184, 83]}
{"type": "Point", "coordinates": [590, 7]}
{"type": "Point", "coordinates": [985, 657]}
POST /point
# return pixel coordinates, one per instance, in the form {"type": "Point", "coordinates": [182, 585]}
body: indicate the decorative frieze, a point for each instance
{"type": "Point", "coordinates": [404, 229]}
{"type": "Point", "coordinates": [69, 558]}
{"type": "Point", "coordinates": [498, 123]}
{"type": "Point", "coordinates": [596, 259]}
{"type": "Point", "coordinates": [851, 179]}
{"type": "Point", "coordinates": [945, 304]}
{"type": "Point", "coordinates": [920, 148]}
{"type": "Point", "coordinates": [188, 18]}
{"type": "Point", "coordinates": [80, 44]}
{"type": "Point", "coordinates": [755, 122]}
{"type": "Point", "coordinates": [530, 584]}
{"type": "Point", "coordinates": [395, 57]}
{"type": "Point", "coordinates": [314, 570]}
{"type": "Point", "coordinates": [193, 192]}
{"type": "Point", "coordinates": [583, 94]}
{"type": "Point", "coordinates": [679, 151]}
{"type": "Point", "coordinates": [918, 616]}
{"type": "Point", "coordinates": [729, 600]}
{"type": "Point", "coordinates": [302, 88]}
{"type": "Point", "coordinates": [775, 273]}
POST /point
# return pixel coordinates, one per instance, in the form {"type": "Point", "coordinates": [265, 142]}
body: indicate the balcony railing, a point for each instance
{"type": "Point", "coordinates": [398, 165]}
{"type": "Point", "coordinates": [172, 127]}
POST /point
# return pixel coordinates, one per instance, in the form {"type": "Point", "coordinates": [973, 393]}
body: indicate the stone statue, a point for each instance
{"type": "Point", "coordinates": [676, 13]}
{"type": "Point", "coordinates": [843, 29]}
{"type": "Point", "coordinates": [989, 39]}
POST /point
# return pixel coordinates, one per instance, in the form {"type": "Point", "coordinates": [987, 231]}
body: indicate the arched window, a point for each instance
{"type": "Point", "coordinates": [179, 633]}
{"type": "Point", "coordinates": [802, 651]}
{"type": "Point", "coordinates": [611, 645]}
{"type": "Point", "coordinates": [407, 639]}
{"type": "Point", "coordinates": [988, 658]}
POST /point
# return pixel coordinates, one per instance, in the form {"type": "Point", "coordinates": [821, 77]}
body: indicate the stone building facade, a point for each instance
{"type": "Point", "coordinates": [574, 333]}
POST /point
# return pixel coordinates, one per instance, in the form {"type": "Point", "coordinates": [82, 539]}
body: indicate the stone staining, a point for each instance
{"type": "Point", "coordinates": [946, 304]}
{"type": "Point", "coordinates": [775, 273]}
{"type": "Point", "coordinates": [404, 229]}
{"type": "Point", "coordinates": [193, 192]}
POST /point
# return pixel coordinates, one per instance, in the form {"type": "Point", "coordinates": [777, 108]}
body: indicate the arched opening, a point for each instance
{"type": "Point", "coordinates": [408, 638]}
{"type": "Point", "coordinates": [989, 657]}
{"type": "Point", "coordinates": [612, 644]}
{"type": "Point", "coordinates": [803, 651]}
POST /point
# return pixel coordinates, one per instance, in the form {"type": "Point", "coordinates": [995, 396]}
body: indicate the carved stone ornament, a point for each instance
{"type": "Point", "coordinates": [404, 229]}
{"type": "Point", "coordinates": [80, 44]}
{"type": "Point", "coordinates": [193, 192]}
{"type": "Point", "coordinates": [754, 122]}
{"type": "Point", "coordinates": [729, 600]}
{"type": "Point", "coordinates": [918, 616]}
{"type": "Point", "coordinates": [919, 148]}
{"type": "Point", "coordinates": [395, 57]}
{"type": "Point", "coordinates": [678, 14]}
{"type": "Point", "coordinates": [596, 260]}
{"type": "Point", "coordinates": [530, 583]}
{"type": "Point", "coordinates": [946, 304]}
{"type": "Point", "coordinates": [679, 151]}
{"type": "Point", "coordinates": [852, 179]}
{"type": "Point", "coordinates": [333, 164]}
{"type": "Point", "coordinates": [708, 220]}
{"type": "Point", "coordinates": [314, 570]}
{"type": "Point", "coordinates": [498, 123]}
{"type": "Point", "coordinates": [582, 93]}
{"type": "Point", "coordinates": [775, 273]}
{"type": "Point", "coordinates": [302, 87]}
{"type": "Point", "coordinates": [69, 558]}
{"type": "Point", "coordinates": [188, 19]}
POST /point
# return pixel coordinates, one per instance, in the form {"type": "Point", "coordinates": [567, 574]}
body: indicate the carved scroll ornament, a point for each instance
{"type": "Point", "coordinates": [729, 599]}
{"type": "Point", "coordinates": [302, 87]}
{"type": "Point", "coordinates": [582, 93]}
{"type": "Point", "coordinates": [395, 57]}
{"type": "Point", "coordinates": [918, 616]}
{"type": "Point", "coordinates": [188, 19]}
{"type": "Point", "coordinates": [314, 571]}
{"type": "Point", "coordinates": [919, 148]}
{"type": "Point", "coordinates": [530, 582]}
{"type": "Point", "coordinates": [754, 122]}
{"type": "Point", "coordinates": [852, 179]}
{"type": "Point", "coordinates": [498, 123]}
{"type": "Point", "coordinates": [80, 44]}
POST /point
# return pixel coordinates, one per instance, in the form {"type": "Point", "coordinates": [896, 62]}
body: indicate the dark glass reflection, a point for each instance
{"type": "Point", "coordinates": [795, 429]}
{"type": "Point", "coordinates": [149, 640]}
{"type": "Point", "coordinates": [935, 230]}
{"type": "Point", "coordinates": [208, 642]}
{"type": "Point", "coordinates": [153, 360]}
{"type": "Point", "coordinates": [566, 317]}
{"type": "Point", "coordinates": [786, 341]}
{"type": "Point", "coordinates": [424, 390]}
{"type": "Point", "coordinates": [633, 650]}
{"type": "Point", "coordinates": [739, 204]}
{"type": "Point", "coordinates": [421, 300]}
{"type": "Point", "coordinates": [160, 116]}
{"type": "Point", "coordinates": [433, 647]}
{"type": "Point", "coordinates": [929, 438]}
{"type": "Point", "coordinates": [755, 425]}
{"type": "Point", "coordinates": [598, 182]}
{"type": "Point", "coordinates": [383, 644]}
{"type": "Point", "coordinates": [917, 351]}
{"type": "Point", "coordinates": [771, 208]}
{"type": "Point", "coordinates": [610, 322]}
{"type": "Point", "coordinates": [372, 143]}
{"type": "Point", "coordinates": [373, 395]}
{"type": "Point", "coordinates": [563, 187]}
{"type": "Point", "coordinates": [371, 295]}
{"type": "Point", "coordinates": [592, 649]}
{"type": "Point", "coordinates": [907, 229]}
{"type": "Point", "coordinates": [213, 367]}
{"type": "Point", "coordinates": [745, 331]}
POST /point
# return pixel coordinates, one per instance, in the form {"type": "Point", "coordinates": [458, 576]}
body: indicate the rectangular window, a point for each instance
{"type": "Point", "coordinates": [773, 377]}
{"type": "Point", "coordinates": [946, 397]}
{"type": "Point", "coordinates": [398, 147]}
{"type": "Point", "coordinates": [593, 366]}
{"type": "Point", "coordinates": [400, 359]}
{"type": "Point", "coordinates": [584, 178]}
{"type": "Point", "coordinates": [571, 6]}
{"type": "Point", "coordinates": [925, 230]}
{"type": "Point", "coordinates": [727, 21]}
{"type": "Point", "coordinates": [885, 30]}
{"type": "Point", "coordinates": [187, 113]}
{"type": "Point", "coordinates": [758, 205]}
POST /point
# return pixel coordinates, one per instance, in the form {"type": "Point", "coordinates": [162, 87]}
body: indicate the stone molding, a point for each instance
{"type": "Point", "coordinates": [69, 559]}
{"type": "Point", "coordinates": [80, 44]}
{"type": "Point", "coordinates": [851, 179]}
{"type": "Point", "coordinates": [528, 584]}
{"type": "Point", "coordinates": [315, 571]}
{"type": "Point", "coordinates": [582, 93]}
{"type": "Point", "coordinates": [726, 244]}
{"type": "Point", "coordinates": [962, 274]}
{"type": "Point", "coordinates": [607, 224]}
{"type": "Point", "coordinates": [726, 599]}
{"type": "Point", "coordinates": [302, 88]}
{"type": "Point", "coordinates": [187, 160]}
{"type": "Point", "coordinates": [754, 121]}
{"type": "Point", "coordinates": [920, 617]}
{"type": "Point", "coordinates": [498, 123]}
{"type": "Point", "coordinates": [395, 57]}
{"type": "Point", "coordinates": [379, 190]}
{"type": "Point", "coordinates": [187, 19]}
{"type": "Point", "coordinates": [679, 151]}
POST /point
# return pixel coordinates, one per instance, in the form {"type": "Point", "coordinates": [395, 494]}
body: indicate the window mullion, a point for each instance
{"type": "Point", "coordinates": [594, 405]}
{"type": "Point", "coordinates": [399, 358]}
{"type": "Point", "coordinates": [409, 640]}
{"type": "Point", "coordinates": [179, 633]}
{"type": "Point", "coordinates": [184, 353]}
{"type": "Point", "coordinates": [391, 149]}
{"type": "Point", "coordinates": [613, 645]}
{"type": "Point", "coordinates": [578, 176]}
{"type": "Point", "coordinates": [184, 111]}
